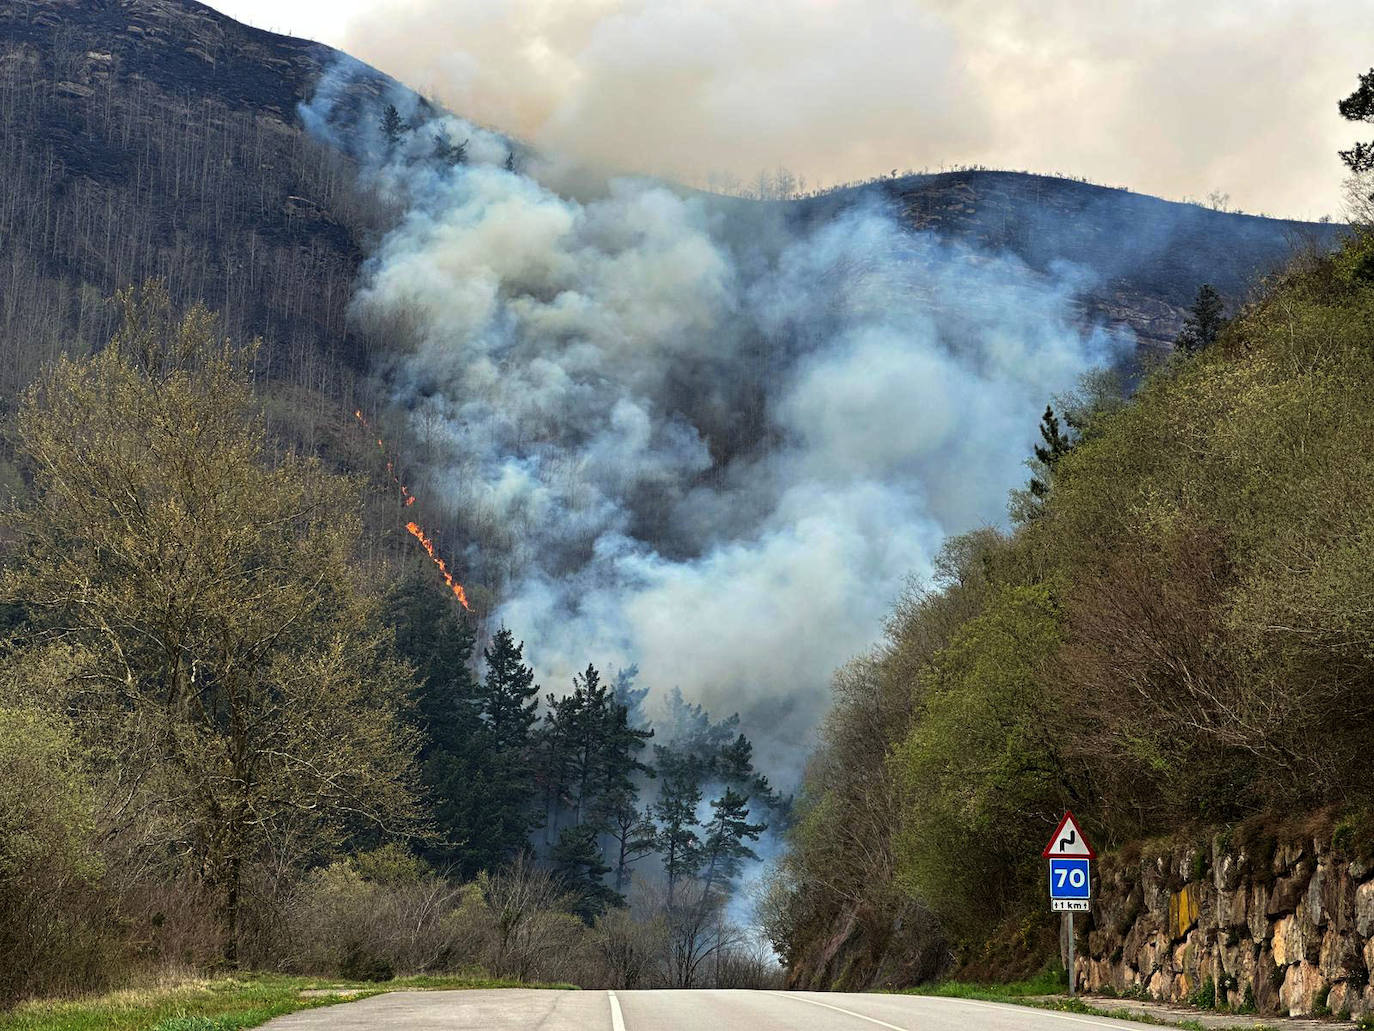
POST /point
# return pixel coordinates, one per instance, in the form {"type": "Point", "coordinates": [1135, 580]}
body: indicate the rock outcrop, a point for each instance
{"type": "Point", "coordinates": [1277, 922]}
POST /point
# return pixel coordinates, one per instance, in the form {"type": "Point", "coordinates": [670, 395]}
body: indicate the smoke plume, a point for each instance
{"type": "Point", "coordinates": [710, 437]}
{"type": "Point", "coordinates": [1171, 97]}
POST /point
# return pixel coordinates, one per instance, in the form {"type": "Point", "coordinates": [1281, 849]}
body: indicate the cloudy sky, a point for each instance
{"type": "Point", "coordinates": [1172, 97]}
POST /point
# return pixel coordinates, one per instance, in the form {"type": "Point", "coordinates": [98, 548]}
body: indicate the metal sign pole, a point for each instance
{"type": "Point", "coordinates": [1068, 929]}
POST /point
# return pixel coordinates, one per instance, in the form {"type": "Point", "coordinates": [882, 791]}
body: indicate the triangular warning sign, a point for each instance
{"type": "Point", "coordinates": [1069, 842]}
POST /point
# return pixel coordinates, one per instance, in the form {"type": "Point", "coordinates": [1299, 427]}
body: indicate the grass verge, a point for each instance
{"type": "Point", "coordinates": [1048, 982]}
{"type": "Point", "coordinates": [220, 1004]}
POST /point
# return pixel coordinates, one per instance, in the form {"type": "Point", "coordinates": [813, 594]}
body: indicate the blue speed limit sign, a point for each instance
{"type": "Point", "coordinates": [1069, 879]}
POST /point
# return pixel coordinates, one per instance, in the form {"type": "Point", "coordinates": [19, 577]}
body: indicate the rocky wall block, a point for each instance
{"type": "Point", "coordinates": [1273, 925]}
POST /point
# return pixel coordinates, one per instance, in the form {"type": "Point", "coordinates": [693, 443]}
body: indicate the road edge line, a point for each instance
{"type": "Point", "coordinates": [1096, 1019]}
{"type": "Point", "coordinates": [838, 1009]}
{"type": "Point", "coordinates": [617, 1019]}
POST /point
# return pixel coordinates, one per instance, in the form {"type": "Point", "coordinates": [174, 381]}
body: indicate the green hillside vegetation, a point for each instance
{"type": "Point", "coordinates": [1176, 630]}
{"type": "Point", "coordinates": [239, 733]}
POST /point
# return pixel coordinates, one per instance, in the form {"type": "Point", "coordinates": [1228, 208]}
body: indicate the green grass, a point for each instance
{"type": "Point", "coordinates": [221, 1004]}
{"type": "Point", "coordinates": [1050, 981]}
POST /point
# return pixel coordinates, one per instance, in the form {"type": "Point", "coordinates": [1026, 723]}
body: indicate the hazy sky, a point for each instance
{"type": "Point", "coordinates": [1173, 97]}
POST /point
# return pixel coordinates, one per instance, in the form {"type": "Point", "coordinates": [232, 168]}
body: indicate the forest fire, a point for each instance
{"type": "Point", "coordinates": [453, 584]}
{"type": "Point", "coordinates": [413, 527]}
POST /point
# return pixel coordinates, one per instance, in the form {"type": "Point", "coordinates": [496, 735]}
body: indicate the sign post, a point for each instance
{"type": "Point", "coordinates": [1071, 881]}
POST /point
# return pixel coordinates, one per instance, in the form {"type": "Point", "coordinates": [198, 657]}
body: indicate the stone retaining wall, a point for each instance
{"type": "Point", "coordinates": [1266, 922]}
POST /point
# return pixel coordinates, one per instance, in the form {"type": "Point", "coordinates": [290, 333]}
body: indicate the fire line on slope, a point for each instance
{"type": "Point", "coordinates": [414, 527]}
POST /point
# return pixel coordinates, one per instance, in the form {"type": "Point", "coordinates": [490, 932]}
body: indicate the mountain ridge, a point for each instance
{"type": "Point", "coordinates": [191, 70]}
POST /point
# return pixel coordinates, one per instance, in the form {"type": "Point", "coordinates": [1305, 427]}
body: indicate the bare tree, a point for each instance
{"type": "Point", "coordinates": [522, 902]}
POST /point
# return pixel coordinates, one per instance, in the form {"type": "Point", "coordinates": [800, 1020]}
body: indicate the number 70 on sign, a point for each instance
{"type": "Point", "coordinates": [1069, 879]}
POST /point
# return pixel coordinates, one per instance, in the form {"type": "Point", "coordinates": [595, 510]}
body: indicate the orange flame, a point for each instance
{"type": "Point", "coordinates": [453, 584]}
{"type": "Point", "coordinates": [414, 528]}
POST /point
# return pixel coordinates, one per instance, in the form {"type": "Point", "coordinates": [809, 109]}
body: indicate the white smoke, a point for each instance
{"type": "Point", "coordinates": [709, 437]}
{"type": "Point", "coordinates": [1174, 97]}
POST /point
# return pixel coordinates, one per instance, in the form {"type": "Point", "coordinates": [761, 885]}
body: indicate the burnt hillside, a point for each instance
{"type": "Point", "coordinates": [159, 138]}
{"type": "Point", "coordinates": [1147, 256]}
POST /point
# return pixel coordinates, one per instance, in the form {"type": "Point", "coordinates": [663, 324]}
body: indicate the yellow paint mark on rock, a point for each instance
{"type": "Point", "coordinates": [1182, 912]}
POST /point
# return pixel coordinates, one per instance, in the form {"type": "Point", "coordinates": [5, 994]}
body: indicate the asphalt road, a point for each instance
{"type": "Point", "coordinates": [704, 1010]}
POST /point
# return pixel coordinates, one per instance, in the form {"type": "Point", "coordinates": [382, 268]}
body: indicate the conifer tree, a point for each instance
{"type": "Point", "coordinates": [448, 152]}
{"type": "Point", "coordinates": [1203, 323]}
{"type": "Point", "coordinates": [457, 753]}
{"type": "Point", "coordinates": [393, 128]}
{"type": "Point", "coordinates": [510, 695]}
{"type": "Point", "coordinates": [678, 841]}
{"type": "Point", "coordinates": [509, 702]}
{"type": "Point", "coordinates": [1359, 107]}
{"type": "Point", "coordinates": [724, 851]}
{"type": "Point", "coordinates": [630, 696]}
{"type": "Point", "coordinates": [579, 865]}
{"type": "Point", "coordinates": [553, 761]}
{"type": "Point", "coordinates": [1055, 446]}
{"type": "Point", "coordinates": [735, 768]}
{"type": "Point", "coordinates": [588, 754]}
{"type": "Point", "coordinates": [633, 835]}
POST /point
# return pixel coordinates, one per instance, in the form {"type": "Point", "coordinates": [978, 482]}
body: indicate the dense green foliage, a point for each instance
{"type": "Point", "coordinates": [184, 591]}
{"type": "Point", "coordinates": [1177, 629]}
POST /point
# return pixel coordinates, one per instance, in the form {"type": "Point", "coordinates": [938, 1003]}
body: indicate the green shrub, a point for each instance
{"type": "Point", "coordinates": [1354, 263]}
{"type": "Point", "coordinates": [1204, 997]}
{"type": "Point", "coordinates": [1246, 1001]}
{"type": "Point", "coordinates": [1320, 1007]}
{"type": "Point", "coordinates": [49, 867]}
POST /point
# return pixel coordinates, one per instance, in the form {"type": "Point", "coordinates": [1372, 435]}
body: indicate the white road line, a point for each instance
{"type": "Point", "coordinates": [837, 1009]}
{"type": "Point", "coordinates": [617, 1021]}
{"type": "Point", "coordinates": [969, 1002]}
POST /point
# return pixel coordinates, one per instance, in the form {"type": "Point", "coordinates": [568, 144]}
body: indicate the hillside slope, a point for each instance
{"type": "Point", "coordinates": [158, 137]}
{"type": "Point", "coordinates": [1174, 639]}
{"type": "Point", "coordinates": [1148, 255]}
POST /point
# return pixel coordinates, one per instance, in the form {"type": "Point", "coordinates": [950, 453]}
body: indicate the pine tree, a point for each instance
{"type": "Point", "coordinates": [393, 128]}
{"type": "Point", "coordinates": [588, 754]}
{"type": "Point", "coordinates": [724, 851]}
{"type": "Point", "coordinates": [617, 762]}
{"type": "Point", "coordinates": [579, 865]}
{"type": "Point", "coordinates": [630, 696]}
{"type": "Point", "coordinates": [678, 841]}
{"type": "Point", "coordinates": [510, 695]}
{"type": "Point", "coordinates": [448, 152]}
{"type": "Point", "coordinates": [632, 834]}
{"type": "Point", "coordinates": [508, 705]}
{"type": "Point", "coordinates": [553, 760]}
{"type": "Point", "coordinates": [591, 698]}
{"type": "Point", "coordinates": [1055, 446]}
{"type": "Point", "coordinates": [1359, 107]}
{"type": "Point", "coordinates": [1203, 323]}
{"type": "Point", "coordinates": [735, 768]}
{"type": "Point", "coordinates": [456, 755]}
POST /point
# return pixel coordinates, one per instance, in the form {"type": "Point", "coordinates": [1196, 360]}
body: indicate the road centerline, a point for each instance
{"type": "Point", "coordinates": [617, 1019]}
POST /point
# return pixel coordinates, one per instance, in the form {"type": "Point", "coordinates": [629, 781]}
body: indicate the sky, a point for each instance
{"type": "Point", "coordinates": [1177, 98]}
